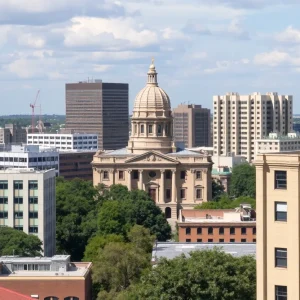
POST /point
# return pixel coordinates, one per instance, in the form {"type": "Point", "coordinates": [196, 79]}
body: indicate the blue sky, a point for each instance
{"type": "Point", "coordinates": [200, 49]}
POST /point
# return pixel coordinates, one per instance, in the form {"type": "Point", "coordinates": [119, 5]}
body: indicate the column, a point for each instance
{"type": "Point", "coordinates": [129, 180]}
{"type": "Point", "coordinates": [155, 129]}
{"type": "Point", "coordinates": [164, 129]}
{"type": "Point", "coordinates": [162, 187]}
{"type": "Point", "coordinates": [138, 128]}
{"type": "Point", "coordinates": [193, 171]}
{"type": "Point", "coordinates": [173, 186]}
{"type": "Point", "coordinates": [113, 173]}
{"type": "Point", "coordinates": [141, 179]}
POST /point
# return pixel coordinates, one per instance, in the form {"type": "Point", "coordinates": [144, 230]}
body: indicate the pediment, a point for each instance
{"type": "Point", "coordinates": [152, 157]}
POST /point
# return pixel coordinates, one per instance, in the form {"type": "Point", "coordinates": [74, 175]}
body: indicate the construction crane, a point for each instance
{"type": "Point", "coordinates": [33, 106]}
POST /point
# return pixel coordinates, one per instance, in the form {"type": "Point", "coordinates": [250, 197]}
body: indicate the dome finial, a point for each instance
{"type": "Point", "coordinates": [152, 61]}
{"type": "Point", "coordinates": [152, 75]}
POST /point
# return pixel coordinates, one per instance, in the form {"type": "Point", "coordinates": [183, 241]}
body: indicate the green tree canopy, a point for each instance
{"type": "Point", "coordinates": [217, 189]}
{"type": "Point", "coordinates": [243, 181]}
{"type": "Point", "coordinates": [17, 242]}
{"type": "Point", "coordinates": [205, 275]}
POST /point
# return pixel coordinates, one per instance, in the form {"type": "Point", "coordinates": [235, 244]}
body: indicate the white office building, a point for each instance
{"type": "Point", "coordinates": [29, 156]}
{"type": "Point", "coordinates": [241, 119]}
{"type": "Point", "coordinates": [27, 203]}
{"type": "Point", "coordinates": [64, 142]}
{"type": "Point", "coordinates": [278, 143]}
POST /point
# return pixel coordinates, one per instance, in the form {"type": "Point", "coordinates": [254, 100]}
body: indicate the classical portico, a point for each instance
{"type": "Point", "coordinates": [174, 179]}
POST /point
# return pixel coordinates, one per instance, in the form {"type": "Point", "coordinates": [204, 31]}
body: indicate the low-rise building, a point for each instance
{"type": "Point", "coordinates": [46, 278]}
{"type": "Point", "coordinates": [29, 156]}
{"type": "Point", "coordinates": [218, 225]}
{"type": "Point", "coordinates": [64, 142]}
{"type": "Point", "coordinates": [278, 143]}
{"type": "Point", "coordinates": [27, 203]}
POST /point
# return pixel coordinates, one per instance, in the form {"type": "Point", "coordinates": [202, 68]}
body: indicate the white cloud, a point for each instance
{"type": "Point", "coordinates": [271, 59]}
{"type": "Point", "coordinates": [289, 35]}
{"type": "Point", "coordinates": [226, 65]}
{"type": "Point", "coordinates": [101, 68]}
{"type": "Point", "coordinates": [31, 40]}
{"type": "Point", "coordinates": [172, 34]}
{"type": "Point", "coordinates": [111, 34]}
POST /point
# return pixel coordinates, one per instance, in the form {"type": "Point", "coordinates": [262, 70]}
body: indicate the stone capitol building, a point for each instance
{"type": "Point", "coordinates": [174, 178]}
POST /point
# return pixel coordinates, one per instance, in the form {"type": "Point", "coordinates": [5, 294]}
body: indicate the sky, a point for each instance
{"type": "Point", "coordinates": [201, 48]}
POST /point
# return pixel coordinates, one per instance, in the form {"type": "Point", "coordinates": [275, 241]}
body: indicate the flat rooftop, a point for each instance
{"type": "Point", "coordinates": [172, 250]}
{"type": "Point", "coordinates": [24, 170]}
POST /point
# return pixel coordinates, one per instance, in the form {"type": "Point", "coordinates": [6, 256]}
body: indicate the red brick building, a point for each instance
{"type": "Point", "coordinates": [47, 278]}
{"type": "Point", "coordinates": [6, 294]}
{"type": "Point", "coordinates": [217, 225]}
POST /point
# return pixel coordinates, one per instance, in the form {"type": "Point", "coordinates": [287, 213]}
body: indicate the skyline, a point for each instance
{"type": "Point", "coordinates": [240, 46]}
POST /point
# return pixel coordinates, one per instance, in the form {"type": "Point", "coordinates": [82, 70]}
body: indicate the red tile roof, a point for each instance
{"type": "Point", "coordinates": [6, 294]}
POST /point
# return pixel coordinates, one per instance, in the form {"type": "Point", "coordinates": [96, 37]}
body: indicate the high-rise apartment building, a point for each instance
{"type": "Point", "coordinates": [101, 108]}
{"type": "Point", "coordinates": [27, 203]}
{"type": "Point", "coordinates": [192, 126]}
{"type": "Point", "coordinates": [12, 134]}
{"type": "Point", "coordinates": [241, 119]}
{"type": "Point", "coordinates": [278, 225]}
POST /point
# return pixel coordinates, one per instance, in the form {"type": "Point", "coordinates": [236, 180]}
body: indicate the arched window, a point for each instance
{"type": "Point", "coordinates": [188, 230]}
{"type": "Point", "coordinates": [150, 130]}
{"type": "Point", "coordinates": [168, 212]}
{"type": "Point", "coordinates": [167, 129]}
{"type": "Point", "coordinates": [71, 298]}
{"type": "Point", "coordinates": [159, 129]}
{"type": "Point", "coordinates": [51, 298]}
{"type": "Point", "coordinates": [142, 128]}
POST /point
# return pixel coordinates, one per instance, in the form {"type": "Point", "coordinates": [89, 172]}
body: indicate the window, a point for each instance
{"type": "Point", "coordinates": [182, 193]}
{"type": "Point", "coordinates": [33, 229]}
{"type": "Point", "coordinates": [244, 230]}
{"type": "Point", "coordinates": [199, 230]}
{"type": "Point", "coordinates": [135, 174]}
{"type": "Point", "coordinates": [142, 128]}
{"type": "Point", "coordinates": [254, 240]}
{"type": "Point", "coordinates": [33, 200]}
{"type": "Point", "coordinates": [18, 185]}
{"type": "Point", "coordinates": [18, 200]}
{"type": "Point", "coordinates": [210, 230]}
{"type": "Point", "coordinates": [232, 240]}
{"type": "Point", "coordinates": [3, 185]}
{"type": "Point", "coordinates": [221, 230]}
{"type": "Point", "coordinates": [198, 174]}
{"type": "Point", "coordinates": [168, 193]}
{"type": "Point", "coordinates": [281, 211]}
{"type": "Point", "coordinates": [280, 292]}
{"type": "Point", "coordinates": [71, 298]}
{"type": "Point", "coordinates": [121, 175]}
{"type": "Point", "coordinates": [232, 230]}
{"type": "Point", "coordinates": [198, 193]}
{"type": "Point", "coordinates": [182, 174]}
{"type": "Point", "coordinates": [3, 200]}
{"type": "Point", "coordinates": [188, 240]}
{"type": "Point", "coordinates": [243, 240]}
{"type": "Point", "coordinates": [221, 240]}
{"type": "Point", "coordinates": [33, 214]}
{"type": "Point", "coordinates": [18, 215]}
{"type": "Point", "coordinates": [210, 240]}
{"type": "Point", "coordinates": [150, 129]}
{"type": "Point", "coordinates": [159, 129]}
{"type": "Point", "coordinates": [168, 174]}
{"type": "Point", "coordinates": [280, 179]}
{"type": "Point", "coordinates": [33, 184]}
{"type": "Point", "coordinates": [254, 230]}
{"type": "Point", "coordinates": [51, 298]}
{"type": "Point", "coordinates": [280, 257]}
{"type": "Point", "coordinates": [105, 175]}
{"type": "Point", "coordinates": [3, 214]}
{"type": "Point", "coordinates": [199, 240]}
{"type": "Point", "coordinates": [188, 231]}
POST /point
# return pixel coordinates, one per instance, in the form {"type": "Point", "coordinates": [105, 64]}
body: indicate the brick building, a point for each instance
{"type": "Point", "coordinates": [46, 278]}
{"type": "Point", "coordinates": [217, 225]}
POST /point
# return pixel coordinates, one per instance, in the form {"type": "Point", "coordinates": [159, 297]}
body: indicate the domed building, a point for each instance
{"type": "Point", "coordinates": [173, 178]}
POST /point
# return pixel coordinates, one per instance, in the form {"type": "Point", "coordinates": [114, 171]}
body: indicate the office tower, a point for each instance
{"type": "Point", "coordinates": [101, 108]}
{"type": "Point", "coordinates": [241, 119]}
{"type": "Point", "coordinates": [29, 156]}
{"type": "Point", "coordinates": [278, 225]}
{"type": "Point", "coordinates": [12, 134]}
{"type": "Point", "coordinates": [27, 203]}
{"type": "Point", "coordinates": [64, 142]}
{"type": "Point", "coordinates": [192, 126]}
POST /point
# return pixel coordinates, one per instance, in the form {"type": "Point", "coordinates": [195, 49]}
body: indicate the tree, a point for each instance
{"type": "Point", "coordinates": [243, 181]}
{"type": "Point", "coordinates": [17, 242]}
{"type": "Point", "coordinates": [217, 189]}
{"type": "Point", "coordinates": [205, 275]}
{"type": "Point", "coordinates": [76, 215]}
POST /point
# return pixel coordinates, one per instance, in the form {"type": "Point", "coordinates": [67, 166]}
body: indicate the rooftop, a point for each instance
{"type": "Point", "coordinates": [172, 250]}
{"type": "Point", "coordinates": [24, 170]}
{"type": "Point", "coordinates": [6, 294]}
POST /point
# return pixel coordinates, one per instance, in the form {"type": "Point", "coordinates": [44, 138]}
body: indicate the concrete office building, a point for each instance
{"type": "Point", "coordinates": [97, 107]}
{"type": "Point", "coordinates": [64, 142]}
{"type": "Point", "coordinates": [192, 126]}
{"type": "Point", "coordinates": [278, 225]}
{"type": "Point", "coordinates": [46, 278]}
{"type": "Point", "coordinates": [27, 203]}
{"type": "Point", "coordinates": [12, 134]}
{"type": "Point", "coordinates": [241, 119]}
{"type": "Point", "coordinates": [29, 156]}
{"type": "Point", "coordinates": [173, 178]}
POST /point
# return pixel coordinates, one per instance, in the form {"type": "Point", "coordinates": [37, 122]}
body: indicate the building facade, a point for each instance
{"type": "Point", "coordinates": [29, 156]}
{"type": "Point", "coordinates": [241, 119]}
{"type": "Point", "coordinates": [47, 278]}
{"type": "Point", "coordinates": [76, 164]}
{"type": "Point", "coordinates": [217, 225]}
{"type": "Point", "coordinates": [192, 125]}
{"type": "Point", "coordinates": [97, 107]}
{"type": "Point", "coordinates": [64, 142]}
{"type": "Point", "coordinates": [12, 134]}
{"type": "Point", "coordinates": [278, 225]}
{"type": "Point", "coordinates": [174, 179]}
{"type": "Point", "coordinates": [27, 203]}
